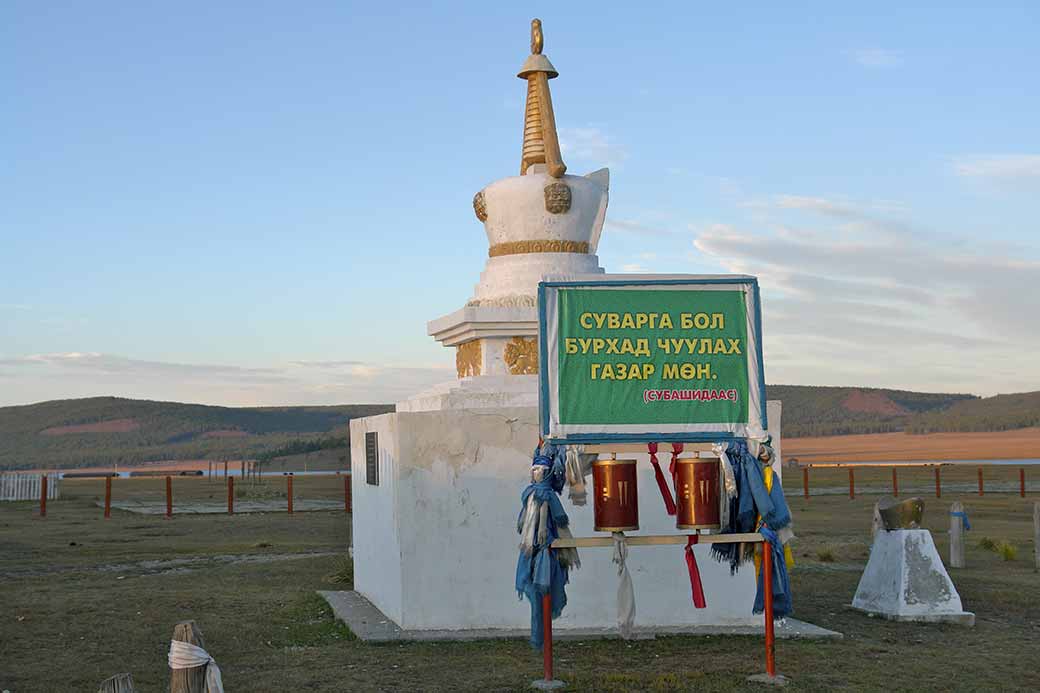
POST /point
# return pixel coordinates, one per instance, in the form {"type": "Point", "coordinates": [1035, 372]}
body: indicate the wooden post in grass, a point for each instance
{"type": "Point", "coordinates": [852, 483]}
{"type": "Point", "coordinates": [981, 490]}
{"type": "Point", "coordinates": [108, 509]}
{"type": "Point", "coordinates": [225, 469]}
{"type": "Point", "coordinates": [120, 683]}
{"type": "Point", "coordinates": [230, 496]}
{"type": "Point", "coordinates": [805, 482]}
{"type": "Point", "coordinates": [895, 484]}
{"type": "Point", "coordinates": [43, 496]}
{"type": "Point", "coordinates": [169, 498]}
{"type": "Point", "coordinates": [289, 491]}
{"type": "Point", "coordinates": [1022, 482]}
{"type": "Point", "coordinates": [347, 500]}
{"type": "Point", "coordinates": [956, 536]}
{"type": "Point", "coordinates": [191, 680]}
{"type": "Point", "coordinates": [938, 484]}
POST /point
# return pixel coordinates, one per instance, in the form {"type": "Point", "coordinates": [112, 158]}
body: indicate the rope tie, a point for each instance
{"type": "Point", "coordinates": [662, 484]}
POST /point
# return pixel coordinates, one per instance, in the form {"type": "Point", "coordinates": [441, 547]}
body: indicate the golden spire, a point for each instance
{"type": "Point", "coordinates": [541, 143]}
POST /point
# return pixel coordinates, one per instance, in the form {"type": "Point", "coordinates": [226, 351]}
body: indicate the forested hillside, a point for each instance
{"type": "Point", "coordinates": [1000, 413]}
{"type": "Point", "coordinates": [829, 411]}
{"type": "Point", "coordinates": [113, 430]}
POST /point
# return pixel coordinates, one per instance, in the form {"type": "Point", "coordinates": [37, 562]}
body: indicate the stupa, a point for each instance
{"type": "Point", "coordinates": [436, 484]}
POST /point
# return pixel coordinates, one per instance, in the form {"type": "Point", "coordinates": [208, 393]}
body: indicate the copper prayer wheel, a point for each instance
{"type": "Point", "coordinates": [697, 494]}
{"type": "Point", "coordinates": [616, 504]}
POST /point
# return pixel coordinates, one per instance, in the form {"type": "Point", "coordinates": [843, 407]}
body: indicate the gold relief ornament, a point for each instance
{"type": "Point", "coordinates": [538, 246]}
{"type": "Point", "coordinates": [557, 198]}
{"type": "Point", "coordinates": [521, 356]}
{"type": "Point", "coordinates": [467, 358]}
{"type": "Point", "coordinates": [480, 206]}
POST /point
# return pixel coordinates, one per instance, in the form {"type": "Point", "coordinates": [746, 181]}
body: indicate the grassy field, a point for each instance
{"type": "Point", "coordinates": [84, 598]}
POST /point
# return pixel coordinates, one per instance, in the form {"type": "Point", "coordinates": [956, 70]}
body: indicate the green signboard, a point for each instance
{"type": "Point", "coordinates": [669, 358]}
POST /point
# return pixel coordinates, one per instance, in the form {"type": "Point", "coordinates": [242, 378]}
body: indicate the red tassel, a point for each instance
{"type": "Point", "coordinates": [676, 449]}
{"type": "Point", "coordinates": [695, 574]}
{"type": "Point", "coordinates": [666, 494]}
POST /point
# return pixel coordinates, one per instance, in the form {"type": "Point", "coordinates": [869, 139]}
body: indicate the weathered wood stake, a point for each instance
{"type": "Point", "coordinates": [108, 514]}
{"type": "Point", "coordinates": [347, 500]}
{"type": "Point", "coordinates": [169, 498]}
{"type": "Point", "coordinates": [1022, 482]}
{"type": "Point", "coordinates": [191, 680]}
{"type": "Point", "coordinates": [956, 536]}
{"type": "Point", "coordinates": [938, 484]}
{"type": "Point", "coordinates": [805, 482]}
{"type": "Point", "coordinates": [43, 496]}
{"type": "Point", "coordinates": [230, 496]}
{"type": "Point", "coordinates": [981, 489]}
{"type": "Point", "coordinates": [289, 492]}
{"type": "Point", "coordinates": [895, 484]}
{"type": "Point", "coordinates": [120, 683]}
{"type": "Point", "coordinates": [852, 483]}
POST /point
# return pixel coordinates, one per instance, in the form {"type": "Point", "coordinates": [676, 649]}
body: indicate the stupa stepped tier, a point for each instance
{"type": "Point", "coordinates": [542, 222]}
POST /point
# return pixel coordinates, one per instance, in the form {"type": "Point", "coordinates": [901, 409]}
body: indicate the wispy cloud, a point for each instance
{"type": "Point", "coordinates": [638, 228]}
{"type": "Point", "coordinates": [1000, 167]}
{"type": "Point", "coordinates": [874, 301]}
{"type": "Point", "coordinates": [80, 374]}
{"type": "Point", "coordinates": [877, 57]}
{"type": "Point", "coordinates": [592, 145]}
{"type": "Point", "coordinates": [634, 268]}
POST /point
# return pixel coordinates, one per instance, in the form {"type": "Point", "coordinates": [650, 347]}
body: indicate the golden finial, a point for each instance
{"type": "Point", "coordinates": [537, 40]}
{"type": "Point", "coordinates": [541, 142]}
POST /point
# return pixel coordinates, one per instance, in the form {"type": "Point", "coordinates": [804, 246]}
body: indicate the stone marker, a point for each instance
{"type": "Point", "coordinates": [905, 579]}
{"type": "Point", "coordinates": [956, 536]}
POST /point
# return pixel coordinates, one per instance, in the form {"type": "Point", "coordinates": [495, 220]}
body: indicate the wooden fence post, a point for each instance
{"type": "Point", "coordinates": [43, 496]}
{"type": "Point", "coordinates": [981, 490]}
{"type": "Point", "coordinates": [108, 510]}
{"type": "Point", "coordinates": [956, 536]}
{"type": "Point", "coordinates": [169, 498]}
{"type": "Point", "coordinates": [191, 680]}
{"type": "Point", "coordinates": [805, 482]}
{"type": "Point", "coordinates": [852, 483]}
{"type": "Point", "coordinates": [895, 484]}
{"type": "Point", "coordinates": [1022, 482]}
{"type": "Point", "coordinates": [938, 484]}
{"type": "Point", "coordinates": [120, 683]}
{"type": "Point", "coordinates": [225, 469]}
{"type": "Point", "coordinates": [230, 496]}
{"type": "Point", "coordinates": [289, 491]}
{"type": "Point", "coordinates": [348, 501]}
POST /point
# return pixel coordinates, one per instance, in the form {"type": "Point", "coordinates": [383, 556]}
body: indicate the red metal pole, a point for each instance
{"type": "Point", "coordinates": [981, 491]}
{"type": "Point", "coordinates": [169, 497]}
{"type": "Point", "coordinates": [852, 483]}
{"type": "Point", "coordinates": [805, 482]}
{"type": "Point", "coordinates": [231, 496]}
{"type": "Point", "coordinates": [895, 484]}
{"type": "Point", "coordinates": [347, 500]}
{"type": "Point", "coordinates": [1022, 482]}
{"type": "Point", "coordinates": [43, 496]}
{"type": "Point", "coordinates": [938, 484]}
{"type": "Point", "coordinates": [290, 493]}
{"type": "Point", "coordinates": [767, 585]}
{"type": "Point", "coordinates": [547, 657]}
{"type": "Point", "coordinates": [108, 497]}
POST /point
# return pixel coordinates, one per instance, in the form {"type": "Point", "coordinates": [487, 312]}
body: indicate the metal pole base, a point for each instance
{"type": "Point", "coordinates": [543, 685]}
{"type": "Point", "coordinates": [777, 680]}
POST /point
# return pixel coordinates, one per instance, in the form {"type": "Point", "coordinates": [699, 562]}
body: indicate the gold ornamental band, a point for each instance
{"type": "Point", "coordinates": [538, 246]}
{"type": "Point", "coordinates": [608, 463]}
{"type": "Point", "coordinates": [714, 526]}
{"type": "Point", "coordinates": [631, 528]}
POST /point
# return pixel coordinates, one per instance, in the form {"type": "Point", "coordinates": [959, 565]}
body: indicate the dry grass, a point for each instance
{"type": "Point", "coordinates": [75, 614]}
{"type": "Point", "coordinates": [1017, 444]}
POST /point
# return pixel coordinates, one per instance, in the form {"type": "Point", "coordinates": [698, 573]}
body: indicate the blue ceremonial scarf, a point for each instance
{"type": "Point", "coordinates": [753, 500]}
{"type": "Point", "coordinates": [540, 572]}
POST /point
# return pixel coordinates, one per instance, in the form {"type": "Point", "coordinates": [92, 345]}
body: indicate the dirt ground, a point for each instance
{"type": "Point", "coordinates": [84, 598]}
{"type": "Point", "coordinates": [1018, 444]}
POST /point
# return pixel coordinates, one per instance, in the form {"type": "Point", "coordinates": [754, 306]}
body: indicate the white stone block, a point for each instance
{"type": "Point", "coordinates": [905, 580]}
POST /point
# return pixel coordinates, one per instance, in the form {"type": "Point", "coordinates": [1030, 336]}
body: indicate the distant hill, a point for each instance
{"type": "Point", "coordinates": [999, 413]}
{"type": "Point", "coordinates": [112, 430]}
{"type": "Point", "coordinates": [829, 411]}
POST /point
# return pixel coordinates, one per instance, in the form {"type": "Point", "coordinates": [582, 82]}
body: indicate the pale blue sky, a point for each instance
{"type": "Point", "coordinates": [262, 203]}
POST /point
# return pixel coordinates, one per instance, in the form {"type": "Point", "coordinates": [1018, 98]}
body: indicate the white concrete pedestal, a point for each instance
{"type": "Point", "coordinates": [435, 542]}
{"type": "Point", "coordinates": [905, 580]}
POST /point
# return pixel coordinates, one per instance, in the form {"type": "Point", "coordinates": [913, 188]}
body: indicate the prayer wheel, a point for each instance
{"type": "Point", "coordinates": [697, 491]}
{"type": "Point", "coordinates": [616, 504]}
